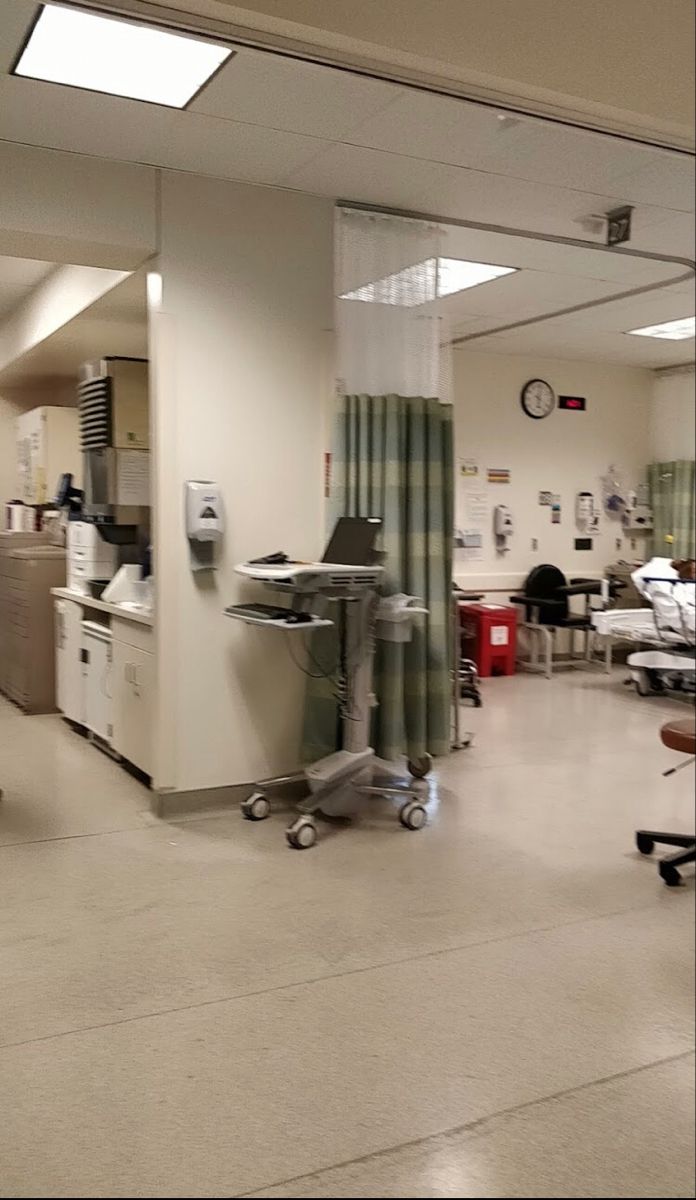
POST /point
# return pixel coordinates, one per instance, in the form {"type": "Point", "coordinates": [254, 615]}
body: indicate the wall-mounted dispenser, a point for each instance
{"type": "Point", "coordinates": [205, 522]}
{"type": "Point", "coordinates": [503, 527]}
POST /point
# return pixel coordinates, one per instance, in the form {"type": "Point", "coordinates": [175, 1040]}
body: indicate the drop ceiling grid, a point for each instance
{"type": "Point", "coordinates": [279, 93]}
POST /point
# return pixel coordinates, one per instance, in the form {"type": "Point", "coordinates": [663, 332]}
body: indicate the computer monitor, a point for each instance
{"type": "Point", "coordinates": [352, 542]}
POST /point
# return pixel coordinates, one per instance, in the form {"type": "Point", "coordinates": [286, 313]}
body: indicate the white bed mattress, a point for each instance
{"type": "Point", "coordinates": [633, 625]}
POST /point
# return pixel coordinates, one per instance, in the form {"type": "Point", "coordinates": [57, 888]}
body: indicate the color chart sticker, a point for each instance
{"type": "Point", "coordinates": [498, 475]}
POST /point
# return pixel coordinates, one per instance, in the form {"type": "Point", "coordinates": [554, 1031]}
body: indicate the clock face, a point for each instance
{"type": "Point", "coordinates": [538, 399]}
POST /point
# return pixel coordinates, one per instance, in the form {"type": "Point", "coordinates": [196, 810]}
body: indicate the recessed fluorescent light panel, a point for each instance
{"type": "Point", "coordinates": [672, 331]}
{"type": "Point", "coordinates": [121, 58]}
{"type": "Point", "coordinates": [426, 281]}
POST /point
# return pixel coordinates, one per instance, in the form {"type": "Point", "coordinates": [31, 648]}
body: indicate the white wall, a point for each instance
{"type": "Point", "coordinates": [673, 427]}
{"type": "Point", "coordinates": [239, 352]}
{"type": "Point", "coordinates": [564, 453]}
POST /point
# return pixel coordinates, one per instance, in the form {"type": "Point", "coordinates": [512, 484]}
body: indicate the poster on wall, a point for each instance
{"type": "Point", "coordinates": [468, 468]}
{"type": "Point", "coordinates": [498, 475]}
{"type": "Point", "coordinates": [545, 498]}
{"type": "Point", "coordinates": [555, 514]}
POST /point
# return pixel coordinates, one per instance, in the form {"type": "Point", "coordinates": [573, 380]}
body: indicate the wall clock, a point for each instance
{"type": "Point", "coordinates": [538, 399]}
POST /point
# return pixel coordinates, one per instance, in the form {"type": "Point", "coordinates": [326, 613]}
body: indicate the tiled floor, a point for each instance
{"type": "Point", "coordinates": [499, 1005]}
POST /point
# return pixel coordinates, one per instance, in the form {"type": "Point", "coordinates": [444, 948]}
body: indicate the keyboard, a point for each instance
{"type": "Point", "coordinates": [261, 612]}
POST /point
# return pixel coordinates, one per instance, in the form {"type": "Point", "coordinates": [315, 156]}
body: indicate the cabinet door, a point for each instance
{"type": "Point", "coordinates": [69, 667]}
{"type": "Point", "coordinates": [133, 685]}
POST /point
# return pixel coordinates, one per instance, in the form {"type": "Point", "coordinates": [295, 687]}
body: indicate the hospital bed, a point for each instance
{"type": "Point", "coordinates": [667, 628]}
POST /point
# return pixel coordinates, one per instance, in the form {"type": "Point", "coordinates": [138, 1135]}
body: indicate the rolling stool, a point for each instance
{"type": "Point", "coordinates": [679, 736]}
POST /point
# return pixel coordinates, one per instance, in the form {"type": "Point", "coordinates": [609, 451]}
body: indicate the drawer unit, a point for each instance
{"type": "Point", "coordinates": [27, 667]}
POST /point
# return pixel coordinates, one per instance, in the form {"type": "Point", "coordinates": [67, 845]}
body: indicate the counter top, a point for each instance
{"type": "Point", "coordinates": [116, 610]}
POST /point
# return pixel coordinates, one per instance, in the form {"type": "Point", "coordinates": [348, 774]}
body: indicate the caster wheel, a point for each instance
{"type": "Point", "coordinates": [644, 843]}
{"type": "Point", "coordinates": [302, 834]}
{"type": "Point", "coordinates": [419, 767]}
{"type": "Point", "coordinates": [670, 875]}
{"type": "Point", "coordinates": [413, 815]}
{"type": "Point", "coordinates": [256, 807]}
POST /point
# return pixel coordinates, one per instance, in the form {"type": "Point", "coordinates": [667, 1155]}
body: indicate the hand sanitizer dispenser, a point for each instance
{"type": "Point", "coordinates": [503, 527]}
{"type": "Point", "coordinates": [205, 522]}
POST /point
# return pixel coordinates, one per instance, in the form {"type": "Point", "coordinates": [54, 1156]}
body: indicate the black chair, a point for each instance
{"type": "Point", "coordinates": [546, 601]}
{"type": "Point", "coordinates": [679, 736]}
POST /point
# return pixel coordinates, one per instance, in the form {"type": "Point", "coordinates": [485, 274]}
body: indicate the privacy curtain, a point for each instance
{"type": "Point", "coordinates": [672, 496]}
{"type": "Point", "coordinates": [392, 458]}
{"type": "Point", "coordinates": [394, 461]}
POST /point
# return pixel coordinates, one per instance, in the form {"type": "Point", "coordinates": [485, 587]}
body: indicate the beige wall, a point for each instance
{"type": "Point", "coordinates": [239, 352]}
{"type": "Point", "coordinates": [564, 453]}
{"type": "Point", "coordinates": [673, 429]}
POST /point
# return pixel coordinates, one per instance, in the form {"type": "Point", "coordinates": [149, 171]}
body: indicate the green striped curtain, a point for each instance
{"type": "Point", "coordinates": [393, 459]}
{"type": "Point", "coordinates": [672, 497]}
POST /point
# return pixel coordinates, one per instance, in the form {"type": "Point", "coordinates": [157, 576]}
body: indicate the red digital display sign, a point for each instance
{"type": "Point", "coordinates": [575, 403]}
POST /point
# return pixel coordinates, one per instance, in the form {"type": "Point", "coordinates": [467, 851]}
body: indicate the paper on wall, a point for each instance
{"type": "Point", "coordinates": [476, 508]}
{"type": "Point", "coordinates": [133, 477]}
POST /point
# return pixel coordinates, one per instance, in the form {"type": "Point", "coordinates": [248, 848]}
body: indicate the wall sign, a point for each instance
{"type": "Point", "coordinates": [583, 543]}
{"type": "Point", "coordinates": [468, 467]}
{"type": "Point", "coordinates": [572, 403]}
{"type": "Point", "coordinates": [619, 225]}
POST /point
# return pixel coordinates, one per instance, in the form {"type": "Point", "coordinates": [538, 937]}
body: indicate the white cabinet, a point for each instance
{"type": "Point", "coordinates": [133, 690]}
{"type": "Point", "coordinates": [69, 665]}
{"type": "Point", "coordinates": [96, 670]}
{"type": "Point", "coordinates": [48, 445]}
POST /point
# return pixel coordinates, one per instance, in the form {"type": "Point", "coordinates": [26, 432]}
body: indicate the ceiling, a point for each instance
{"type": "Point", "coordinates": [267, 119]}
{"type": "Point", "coordinates": [18, 276]}
{"type": "Point", "coordinates": [600, 69]}
{"type": "Point", "coordinates": [115, 324]}
{"type": "Point", "coordinates": [553, 277]}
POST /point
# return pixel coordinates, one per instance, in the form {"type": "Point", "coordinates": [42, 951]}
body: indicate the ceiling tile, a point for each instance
{"type": "Point", "coordinates": [421, 125]}
{"type": "Point", "coordinates": [568, 158]}
{"type": "Point", "coordinates": [351, 172]}
{"type": "Point", "coordinates": [283, 93]}
{"type": "Point", "coordinates": [113, 127]}
{"type": "Point", "coordinates": [673, 233]}
{"type": "Point", "coordinates": [667, 182]}
{"type": "Point", "coordinates": [529, 293]}
{"type": "Point", "coordinates": [616, 265]}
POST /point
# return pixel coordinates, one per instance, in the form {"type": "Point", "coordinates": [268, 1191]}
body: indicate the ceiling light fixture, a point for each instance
{"type": "Point", "coordinates": [426, 281]}
{"type": "Point", "coordinates": [672, 331]}
{"type": "Point", "coordinates": [122, 58]}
